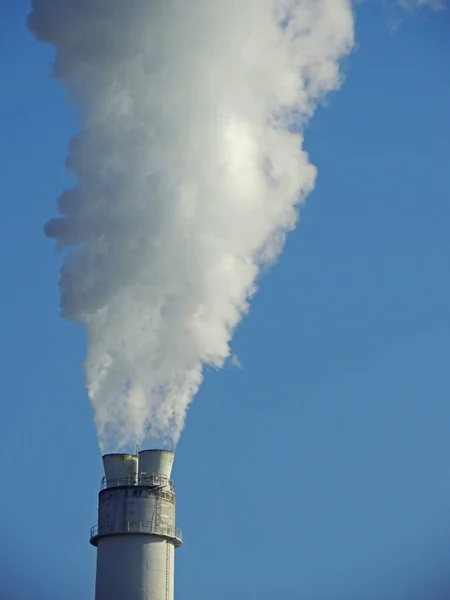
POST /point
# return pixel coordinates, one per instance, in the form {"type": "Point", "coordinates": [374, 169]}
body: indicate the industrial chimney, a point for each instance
{"type": "Point", "coordinates": [136, 534]}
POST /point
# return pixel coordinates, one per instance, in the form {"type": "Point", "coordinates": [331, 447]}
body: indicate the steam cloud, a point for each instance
{"type": "Point", "coordinates": [417, 4]}
{"type": "Point", "coordinates": [189, 170]}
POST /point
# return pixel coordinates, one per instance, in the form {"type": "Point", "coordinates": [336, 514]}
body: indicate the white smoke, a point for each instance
{"type": "Point", "coordinates": [412, 5]}
{"type": "Point", "coordinates": [189, 169]}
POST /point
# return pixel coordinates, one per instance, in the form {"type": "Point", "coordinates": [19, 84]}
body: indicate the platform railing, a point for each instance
{"type": "Point", "coordinates": [152, 480]}
{"type": "Point", "coordinates": [149, 527]}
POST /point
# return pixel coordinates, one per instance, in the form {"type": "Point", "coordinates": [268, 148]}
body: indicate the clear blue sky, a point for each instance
{"type": "Point", "coordinates": [321, 470]}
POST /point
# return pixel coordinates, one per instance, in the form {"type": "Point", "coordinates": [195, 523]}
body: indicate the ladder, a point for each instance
{"type": "Point", "coordinates": [167, 571]}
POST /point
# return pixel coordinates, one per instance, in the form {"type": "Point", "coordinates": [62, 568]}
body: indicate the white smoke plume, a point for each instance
{"type": "Point", "coordinates": [189, 170]}
{"type": "Point", "coordinates": [412, 5]}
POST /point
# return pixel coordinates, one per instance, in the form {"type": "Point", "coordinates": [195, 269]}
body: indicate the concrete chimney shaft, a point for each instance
{"type": "Point", "coordinates": [136, 534]}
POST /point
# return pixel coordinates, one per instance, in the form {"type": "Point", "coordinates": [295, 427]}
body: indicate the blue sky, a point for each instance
{"type": "Point", "coordinates": [321, 469]}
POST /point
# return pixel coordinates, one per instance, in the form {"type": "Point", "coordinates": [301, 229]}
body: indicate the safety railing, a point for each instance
{"type": "Point", "coordinates": [143, 480]}
{"type": "Point", "coordinates": [148, 527]}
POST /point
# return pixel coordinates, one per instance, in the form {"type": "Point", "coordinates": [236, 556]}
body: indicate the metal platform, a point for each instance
{"type": "Point", "coordinates": [153, 480]}
{"type": "Point", "coordinates": [143, 527]}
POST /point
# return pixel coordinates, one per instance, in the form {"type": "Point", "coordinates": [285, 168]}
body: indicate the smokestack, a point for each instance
{"type": "Point", "coordinates": [136, 534]}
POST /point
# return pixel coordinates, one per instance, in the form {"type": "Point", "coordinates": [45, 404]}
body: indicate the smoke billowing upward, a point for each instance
{"type": "Point", "coordinates": [189, 170]}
